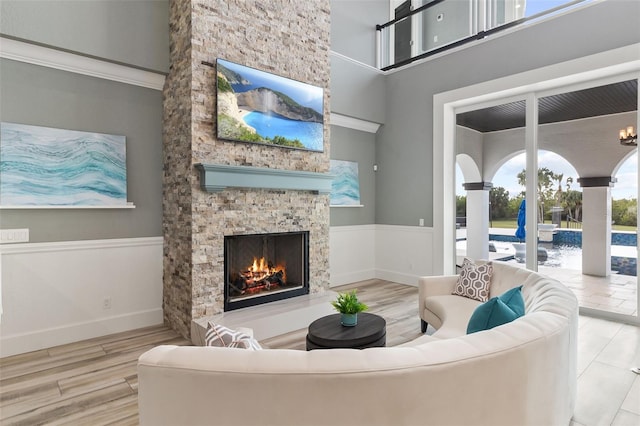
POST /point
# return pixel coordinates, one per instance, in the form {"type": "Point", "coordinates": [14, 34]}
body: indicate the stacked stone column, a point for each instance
{"type": "Point", "coordinates": [284, 37]}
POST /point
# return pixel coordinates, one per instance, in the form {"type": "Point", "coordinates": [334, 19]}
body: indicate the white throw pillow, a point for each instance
{"type": "Point", "coordinates": [474, 280]}
{"type": "Point", "coordinates": [219, 335]}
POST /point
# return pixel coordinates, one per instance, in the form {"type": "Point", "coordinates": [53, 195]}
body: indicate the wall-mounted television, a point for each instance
{"type": "Point", "coordinates": [259, 107]}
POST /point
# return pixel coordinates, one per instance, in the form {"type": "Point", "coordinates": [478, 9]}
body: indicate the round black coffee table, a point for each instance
{"type": "Point", "coordinates": [327, 332]}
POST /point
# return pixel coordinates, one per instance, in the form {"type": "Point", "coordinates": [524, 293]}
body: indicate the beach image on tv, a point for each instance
{"type": "Point", "coordinates": [256, 106]}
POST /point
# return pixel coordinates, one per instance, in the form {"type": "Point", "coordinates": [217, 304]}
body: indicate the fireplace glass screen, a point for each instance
{"type": "Point", "coordinates": [265, 267]}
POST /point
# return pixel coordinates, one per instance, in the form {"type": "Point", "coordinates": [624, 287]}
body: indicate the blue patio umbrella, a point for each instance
{"type": "Point", "coordinates": [522, 220]}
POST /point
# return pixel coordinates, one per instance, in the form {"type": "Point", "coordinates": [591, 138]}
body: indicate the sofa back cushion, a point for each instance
{"type": "Point", "coordinates": [506, 277]}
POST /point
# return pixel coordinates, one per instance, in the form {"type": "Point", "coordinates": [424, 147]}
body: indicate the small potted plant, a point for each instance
{"type": "Point", "coordinates": [349, 306]}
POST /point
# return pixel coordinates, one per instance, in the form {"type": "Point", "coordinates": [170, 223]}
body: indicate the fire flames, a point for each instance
{"type": "Point", "coordinates": [261, 275]}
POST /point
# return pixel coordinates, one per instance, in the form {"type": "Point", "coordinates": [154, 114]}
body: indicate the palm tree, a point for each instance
{"type": "Point", "coordinates": [558, 177]}
{"type": "Point", "coordinates": [545, 187]}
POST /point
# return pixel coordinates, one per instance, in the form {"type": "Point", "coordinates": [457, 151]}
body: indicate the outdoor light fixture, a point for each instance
{"type": "Point", "coordinates": [627, 137]}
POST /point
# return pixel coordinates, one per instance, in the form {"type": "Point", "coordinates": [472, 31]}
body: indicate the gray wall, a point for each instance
{"type": "Point", "coordinates": [404, 145]}
{"type": "Point", "coordinates": [134, 32]}
{"type": "Point", "coordinates": [353, 27]}
{"type": "Point", "coordinates": [358, 146]}
{"type": "Point", "coordinates": [357, 91]}
{"type": "Point", "coordinates": [45, 97]}
{"type": "Point", "coordinates": [131, 32]}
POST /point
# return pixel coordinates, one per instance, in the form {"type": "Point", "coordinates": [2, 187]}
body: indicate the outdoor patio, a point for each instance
{"type": "Point", "coordinates": [616, 293]}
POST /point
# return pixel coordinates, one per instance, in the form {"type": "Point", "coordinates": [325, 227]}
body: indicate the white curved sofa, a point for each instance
{"type": "Point", "coordinates": [520, 373]}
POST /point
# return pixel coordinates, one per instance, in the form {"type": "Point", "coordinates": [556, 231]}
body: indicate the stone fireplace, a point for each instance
{"type": "Point", "coordinates": [207, 199]}
{"type": "Point", "coordinates": [265, 267]}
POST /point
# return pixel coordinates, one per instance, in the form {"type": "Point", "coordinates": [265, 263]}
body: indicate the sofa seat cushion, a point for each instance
{"type": "Point", "coordinates": [453, 312]}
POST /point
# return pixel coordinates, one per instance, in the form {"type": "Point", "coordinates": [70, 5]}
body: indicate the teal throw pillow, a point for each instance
{"type": "Point", "coordinates": [513, 299]}
{"type": "Point", "coordinates": [497, 311]}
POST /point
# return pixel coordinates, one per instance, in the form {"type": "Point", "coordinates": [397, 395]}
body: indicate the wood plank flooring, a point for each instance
{"type": "Point", "coordinates": [94, 382]}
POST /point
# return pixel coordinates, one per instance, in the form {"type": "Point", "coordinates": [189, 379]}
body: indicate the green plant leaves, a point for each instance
{"type": "Point", "coordinates": [348, 303]}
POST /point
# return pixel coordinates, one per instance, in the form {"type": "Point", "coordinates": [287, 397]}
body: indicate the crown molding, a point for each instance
{"type": "Point", "coordinates": [353, 123]}
{"type": "Point", "coordinates": [30, 53]}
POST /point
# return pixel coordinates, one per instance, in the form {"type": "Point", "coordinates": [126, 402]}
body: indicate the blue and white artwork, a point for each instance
{"type": "Point", "coordinates": [43, 166]}
{"type": "Point", "coordinates": [345, 187]}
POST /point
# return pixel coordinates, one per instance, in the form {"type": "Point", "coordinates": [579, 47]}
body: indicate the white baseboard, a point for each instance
{"type": "Point", "coordinates": [397, 277]}
{"type": "Point", "coordinates": [69, 333]}
{"type": "Point", "coordinates": [352, 277]}
{"type": "Point", "coordinates": [62, 292]}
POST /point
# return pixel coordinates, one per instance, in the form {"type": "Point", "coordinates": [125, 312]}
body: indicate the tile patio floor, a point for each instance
{"type": "Point", "coordinates": [615, 293]}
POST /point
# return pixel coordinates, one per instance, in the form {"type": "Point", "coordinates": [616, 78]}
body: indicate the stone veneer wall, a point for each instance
{"type": "Point", "coordinates": [285, 37]}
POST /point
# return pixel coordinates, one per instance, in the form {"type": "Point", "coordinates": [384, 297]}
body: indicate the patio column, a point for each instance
{"type": "Point", "coordinates": [596, 225]}
{"type": "Point", "coordinates": [478, 219]}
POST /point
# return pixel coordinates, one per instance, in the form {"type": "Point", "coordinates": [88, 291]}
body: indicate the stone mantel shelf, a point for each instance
{"type": "Point", "coordinates": [218, 177]}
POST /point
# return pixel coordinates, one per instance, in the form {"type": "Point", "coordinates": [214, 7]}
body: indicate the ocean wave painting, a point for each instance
{"type": "Point", "coordinates": [345, 187]}
{"type": "Point", "coordinates": [43, 166]}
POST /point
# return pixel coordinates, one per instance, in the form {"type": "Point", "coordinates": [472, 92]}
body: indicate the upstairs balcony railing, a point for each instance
{"type": "Point", "coordinates": [423, 28]}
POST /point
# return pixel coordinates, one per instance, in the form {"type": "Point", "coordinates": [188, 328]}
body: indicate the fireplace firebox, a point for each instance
{"type": "Point", "coordinates": [263, 268]}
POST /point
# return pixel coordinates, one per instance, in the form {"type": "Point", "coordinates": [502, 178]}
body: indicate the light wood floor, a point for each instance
{"type": "Point", "coordinates": [94, 382]}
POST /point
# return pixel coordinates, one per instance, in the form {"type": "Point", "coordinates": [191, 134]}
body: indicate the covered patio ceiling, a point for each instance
{"type": "Point", "coordinates": [597, 101]}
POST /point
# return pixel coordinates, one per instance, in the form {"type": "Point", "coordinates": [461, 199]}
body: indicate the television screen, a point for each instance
{"type": "Point", "coordinates": [259, 107]}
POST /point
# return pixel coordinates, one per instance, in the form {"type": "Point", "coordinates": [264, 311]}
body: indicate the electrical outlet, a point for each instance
{"type": "Point", "coordinates": [8, 236]}
{"type": "Point", "coordinates": [421, 222]}
{"type": "Point", "coordinates": [106, 303]}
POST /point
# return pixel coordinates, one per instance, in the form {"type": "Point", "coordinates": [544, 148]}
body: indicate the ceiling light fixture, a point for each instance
{"type": "Point", "coordinates": [628, 137]}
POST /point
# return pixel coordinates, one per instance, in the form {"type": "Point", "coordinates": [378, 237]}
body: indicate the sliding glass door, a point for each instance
{"type": "Point", "coordinates": [550, 183]}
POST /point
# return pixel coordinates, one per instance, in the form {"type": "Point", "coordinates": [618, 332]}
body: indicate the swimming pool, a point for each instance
{"type": "Point", "coordinates": [566, 249]}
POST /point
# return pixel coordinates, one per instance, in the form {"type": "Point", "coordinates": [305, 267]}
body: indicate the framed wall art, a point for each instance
{"type": "Point", "coordinates": [50, 167]}
{"type": "Point", "coordinates": [345, 187]}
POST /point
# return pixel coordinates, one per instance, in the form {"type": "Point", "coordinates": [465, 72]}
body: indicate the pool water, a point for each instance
{"type": "Point", "coordinates": [570, 257]}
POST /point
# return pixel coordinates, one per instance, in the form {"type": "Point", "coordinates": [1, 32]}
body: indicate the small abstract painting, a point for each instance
{"type": "Point", "coordinates": [345, 187]}
{"type": "Point", "coordinates": [44, 166]}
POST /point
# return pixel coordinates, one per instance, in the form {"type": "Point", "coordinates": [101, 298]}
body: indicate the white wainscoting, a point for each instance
{"type": "Point", "coordinates": [403, 253]}
{"type": "Point", "coordinates": [352, 253]}
{"type": "Point", "coordinates": [395, 253]}
{"type": "Point", "coordinates": [54, 293]}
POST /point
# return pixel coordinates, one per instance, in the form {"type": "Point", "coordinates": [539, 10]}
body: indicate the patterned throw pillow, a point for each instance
{"type": "Point", "coordinates": [474, 281]}
{"type": "Point", "coordinates": [219, 335]}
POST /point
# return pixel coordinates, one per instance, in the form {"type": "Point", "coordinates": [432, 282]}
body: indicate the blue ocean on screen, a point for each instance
{"type": "Point", "coordinates": [310, 134]}
{"type": "Point", "coordinates": [345, 186]}
{"type": "Point", "coordinates": [42, 166]}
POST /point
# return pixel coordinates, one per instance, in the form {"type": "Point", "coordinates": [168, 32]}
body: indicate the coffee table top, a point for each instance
{"type": "Point", "coordinates": [327, 332]}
